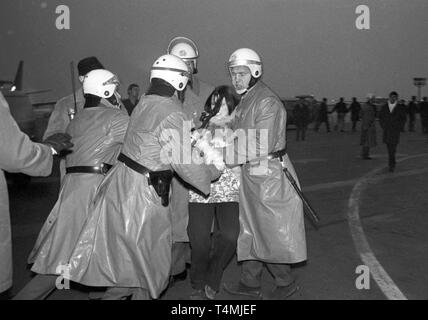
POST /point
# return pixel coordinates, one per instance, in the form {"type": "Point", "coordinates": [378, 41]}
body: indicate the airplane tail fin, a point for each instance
{"type": "Point", "coordinates": [18, 83]}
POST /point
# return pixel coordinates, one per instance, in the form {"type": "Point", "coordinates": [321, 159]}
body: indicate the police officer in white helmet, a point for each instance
{"type": "Point", "coordinates": [271, 213]}
{"type": "Point", "coordinates": [129, 227]}
{"type": "Point", "coordinates": [98, 131]}
{"type": "Point", "coordinates": [195, 96]}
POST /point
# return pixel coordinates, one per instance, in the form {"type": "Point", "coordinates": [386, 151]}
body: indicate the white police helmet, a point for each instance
{"type": "Point", "coordinates": [248, 58]}
{"type": "Point", "coordinates": [101, 83]}
{"type": "Point", "coordinates": [185, 49]}
{"type": "Point", "coordinates": [171, 69]}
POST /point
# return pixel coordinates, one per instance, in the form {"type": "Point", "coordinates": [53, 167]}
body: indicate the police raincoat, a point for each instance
{"type": "Point", "coordinates": [97, 134]}
{"type": "Point", "coordinates": [193, 106]}
{"type": "Point", "coordinates": [60, 116]}
{"type": "Point", "coordinates": [127, 241]}
{"type": "Point", "coordinates": [17, 154]}
{"type": "Point", "coordinates": [271, 213]}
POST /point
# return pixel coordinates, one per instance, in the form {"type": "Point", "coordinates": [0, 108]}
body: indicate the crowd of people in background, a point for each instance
{"type": "Point", "coordinates": [305, 112]}
{"type": "Point", "coordinates": [393, 114]}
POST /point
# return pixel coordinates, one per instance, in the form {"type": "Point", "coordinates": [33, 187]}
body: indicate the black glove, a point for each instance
{"type": "Point", "coordinates": [59, 142]}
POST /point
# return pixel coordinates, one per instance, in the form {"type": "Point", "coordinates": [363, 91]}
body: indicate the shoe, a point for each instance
{"type": "Point", "coordinates": [282, 293]}
{"type": "Point", "coordinates": [241, 289]}
{"type": "Point", "coordinates": [5, 295]}
{"type": "Point", "coordinates": [210, 293]}
{"type": "Point", "coordinates": [198, 294]}
{"type": "Point", "coordinates": [391, 169]}
{"type": "Point", "coordinates": [367, 158]}
{"type": "Point", "coordinates": [177, 278]}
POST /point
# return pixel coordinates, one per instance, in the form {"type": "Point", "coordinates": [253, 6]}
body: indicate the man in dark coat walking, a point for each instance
{"type": "Point", "coordinates": [423, 109]}
{"type": "Point", "coordinates": [412, 108]}
{"type": "Point", "coordinates": [301, 115]}
{"type": "Point", "coordinates": [368, 127]}
{"type": "Point", "coordinates": [341, 110]}
{"type": "Point", "coordinates": [355, 109]}
{"type": "Point", "coordinates": [391, 118]}
{"type": "Point", "coordinates": [323, 116]}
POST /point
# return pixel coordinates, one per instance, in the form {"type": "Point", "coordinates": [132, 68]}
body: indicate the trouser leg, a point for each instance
{"type": "Point", "coordinates": [180, 252]}
{"type": "Point", "coordinates": [38, 288]}
{"type": "Point", "coordinates": [327, 124]}
{"type": "Point", "coordinates": [251, 273]}
{"type": "Point", "coordinates": [342, 123]}
{"type": "Point", "coordinates": [392, 148]}
{"type": "Point", "coordinates": [282, 273]}
{"type": "Point", "coordinates": [304, 127]}
{"type": "Point", "coordinates": [412, 123]}
{"type": "Point", "coordinates": [366, 152]}
{"type": "Point", "coordinates": [199, 231]}
{"type": "Point", "coordinates": [224, 242]}
{"type": "Point", "coordinates": [317, 126]}
{"type": "Point", "coordinates": [140, 294]}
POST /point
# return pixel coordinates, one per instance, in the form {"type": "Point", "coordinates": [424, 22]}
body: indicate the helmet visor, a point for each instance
{"type": "Point", "coordinates": [112, 81]}
{"type": "Point", "coordinates": [181, 72]}
{"type": "Point", "coordinates": [243, 62]}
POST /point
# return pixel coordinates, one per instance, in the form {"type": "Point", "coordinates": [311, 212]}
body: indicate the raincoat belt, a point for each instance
{"type": "Point", "coordinates": [102, 169]}
{"type": "Point", "coordinates": [160, 180]}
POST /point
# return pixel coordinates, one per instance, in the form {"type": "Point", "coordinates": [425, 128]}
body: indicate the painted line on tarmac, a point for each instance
{"type": "Point", "coordinates": [383, 280]}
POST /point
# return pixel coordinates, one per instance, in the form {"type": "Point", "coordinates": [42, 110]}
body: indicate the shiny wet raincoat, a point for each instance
{"type": "Point", "coordinates": [193, 106]}
{"type": "Point", "coordinates": [60, 116]}
{"type": "Point", "coordinates": [17, 154]}
{"type": "Point", "coordinates": [127, 241]}
{"type": "Point", "coordinates": [97, 134]}
{"type": "Point", "coordinates": [271, 213]}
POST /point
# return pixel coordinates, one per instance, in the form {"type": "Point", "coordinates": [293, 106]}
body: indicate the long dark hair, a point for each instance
{"type": "Point", "coordinates": [217, 95]}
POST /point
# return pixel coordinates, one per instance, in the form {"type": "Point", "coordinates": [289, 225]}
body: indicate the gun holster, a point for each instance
{"type": "Point", "coordinates": [161, 182]}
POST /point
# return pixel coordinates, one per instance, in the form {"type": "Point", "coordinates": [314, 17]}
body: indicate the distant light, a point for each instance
{"type": "Point", "coordinates": [13, 88]}
{"type": "Point", "coordinates": [44, 5]}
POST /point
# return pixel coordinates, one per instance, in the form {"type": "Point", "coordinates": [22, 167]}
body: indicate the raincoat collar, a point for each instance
{"type": "Point", "coordinates": [250, 93]}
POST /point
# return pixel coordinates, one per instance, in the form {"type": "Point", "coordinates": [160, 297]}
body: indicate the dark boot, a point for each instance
{"type": "Point", "coordinates": [241, 289]}
{"type": "Point", "coordinates": [283, 293]}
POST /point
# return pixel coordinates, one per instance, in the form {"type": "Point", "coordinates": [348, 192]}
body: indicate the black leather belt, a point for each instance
{"type": "Point", "coordinates": [101, 169]}
{"type": "Point", "coordinates": [134, 165]}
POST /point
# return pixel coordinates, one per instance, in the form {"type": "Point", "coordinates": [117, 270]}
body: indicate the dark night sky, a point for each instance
{"type": "Point", "coordinates": [308, 46]}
